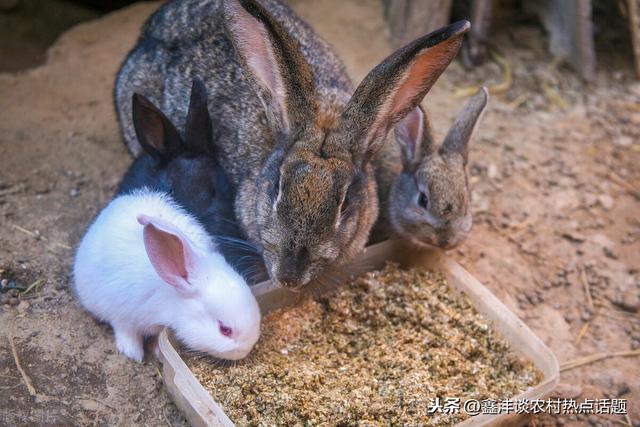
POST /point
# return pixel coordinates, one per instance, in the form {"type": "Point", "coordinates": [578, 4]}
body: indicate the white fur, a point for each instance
{"type": "Point", "coordinates": [116, 281]}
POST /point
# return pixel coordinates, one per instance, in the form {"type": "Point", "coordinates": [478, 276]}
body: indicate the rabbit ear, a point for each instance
{"type": "Point", "coordinates": [396, 86]}
{"type": "Point", "coordinates": [156, 133]}
{"type": "Point", "coordinates": [169, 252]}
{"type": "Point", "coordinates": [408, 133]}
{"type": "Point", "coordinates": [198, 127]}
{"type": "Point", "coordinates": [463, 128]}
{"type": "Point", "coordinates": [275, 61]}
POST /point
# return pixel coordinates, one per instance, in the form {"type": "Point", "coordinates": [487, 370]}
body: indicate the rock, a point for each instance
{"type": "Point", "coordinates": [574, 237]}
{"type": "Point", "coordinates": [623, 141]}
{"type": "Point", "coordinates": [605, 243]}
{"type": "Point", "coordinates": [23, 306]}
{"type": "Point", "coordinates": [630, 303]}
{"type": "Point", "coordinates": [606, 201]}
{"type": "Point", "coordinates": [75, 192]}
{"type": "Point", "coordinates": [90, 405]}
{"type": "Point", "coordinates": [492, 171]}
{"type": "Point", "coordinates": [609, 252]}
{"type": "Point", "coordinates": [530, 296]}
{"type": "Point", "coordinates": [13, 301]}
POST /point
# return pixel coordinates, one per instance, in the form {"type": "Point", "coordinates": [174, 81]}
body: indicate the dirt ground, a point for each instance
{"type": "Point", "coordinates": [556, 196]}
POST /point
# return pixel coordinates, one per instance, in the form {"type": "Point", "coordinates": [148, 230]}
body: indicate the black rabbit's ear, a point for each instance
{"type": "Point", "coordinates": [198, 128]}
{"type": "Point", "coordinates": [466, 123]}
{"type": "Point", "coordinates": [154, 130]}
{"type": "Point", "coordinates": [396, 86]}
{"type": "Point", "coordinates": [275, 61]}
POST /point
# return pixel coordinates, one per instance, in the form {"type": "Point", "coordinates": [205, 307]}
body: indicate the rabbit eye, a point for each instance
{"type": "Point", "coordinates": [423, 201]}
{"type": "Point", "coordinates": [224, 329]}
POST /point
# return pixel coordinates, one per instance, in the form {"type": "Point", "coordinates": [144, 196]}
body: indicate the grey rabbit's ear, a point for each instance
{"type": "Point", "coordinates": [396, 86]}
{"type": "Point", "coordinates": [275, 61]}
{"type": "Point", "coordinates": [154, 130]}
{"type": "Point", "coordinates": [198, 129]}
{"type": "Point", "coordinates": [457, 140]}
{"type": "Point", "coordinates": [413, 134]}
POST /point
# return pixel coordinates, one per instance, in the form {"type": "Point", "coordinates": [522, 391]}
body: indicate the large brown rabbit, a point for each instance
{"type": "Point", "coordinates": [294, 138]}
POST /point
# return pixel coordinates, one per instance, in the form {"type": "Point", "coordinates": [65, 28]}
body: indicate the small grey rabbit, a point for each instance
{"type": "Point", "coordinates": [295, 139]}
{"type": "Point", "coordinates": [423, 189]}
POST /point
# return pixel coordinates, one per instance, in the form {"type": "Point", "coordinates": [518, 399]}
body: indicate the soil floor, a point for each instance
{"type": "Point", "coordinates": [556, 197]}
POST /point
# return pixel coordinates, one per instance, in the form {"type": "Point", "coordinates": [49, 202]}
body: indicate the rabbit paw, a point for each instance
{"type": "Point", "coordinates": [129, 343]}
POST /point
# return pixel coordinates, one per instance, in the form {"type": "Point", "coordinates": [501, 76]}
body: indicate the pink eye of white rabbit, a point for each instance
{"type": "Point", "coordinates": [224, 329]}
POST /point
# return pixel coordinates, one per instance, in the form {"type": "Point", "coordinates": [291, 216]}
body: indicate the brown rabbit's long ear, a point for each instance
{"type": "Point", "coordinates": [198, 129]}
{"type": "Point", "coordinates": [396, 86]}
{"type": "Point", "coordinates": [274, 59]}
{"type": "Point", "coordinates": [154, 130]}
{"type": "Point", "coordinates": [457, 140]}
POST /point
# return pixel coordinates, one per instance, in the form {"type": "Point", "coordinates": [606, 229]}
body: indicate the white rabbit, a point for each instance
{"type": "Point", "coordinates": [145, 263]}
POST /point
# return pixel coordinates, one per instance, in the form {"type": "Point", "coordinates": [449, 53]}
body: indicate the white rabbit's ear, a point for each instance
{"type": "Point", "coordinates": [169, 252]}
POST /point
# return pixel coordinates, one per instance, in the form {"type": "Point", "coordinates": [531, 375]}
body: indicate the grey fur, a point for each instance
{"type": "Point", "coordinates": [439, 173]}
{"type": "Point", "coordinates": [306, 192]}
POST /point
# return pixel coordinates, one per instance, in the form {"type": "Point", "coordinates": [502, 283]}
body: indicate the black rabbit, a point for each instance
{"type": "Point", "coordinates": [187, 169]}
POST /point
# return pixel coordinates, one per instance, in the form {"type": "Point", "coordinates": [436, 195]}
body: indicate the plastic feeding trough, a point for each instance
{"type": "Point", "coordinates": [200, 408]}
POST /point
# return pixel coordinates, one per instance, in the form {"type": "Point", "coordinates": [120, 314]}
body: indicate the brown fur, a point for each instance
{"type": "Point", "coordinates": [294, 141]}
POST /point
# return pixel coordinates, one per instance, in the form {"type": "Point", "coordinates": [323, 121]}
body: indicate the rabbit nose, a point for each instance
{"type": "Point", "coordinates": [290, 278]}
{"type": "Point", "coordinates": [448, 241]}
{"type": "Point", "coordinates": [292, 267]}
{"type": "Point", "coordinates": [288, 282]}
